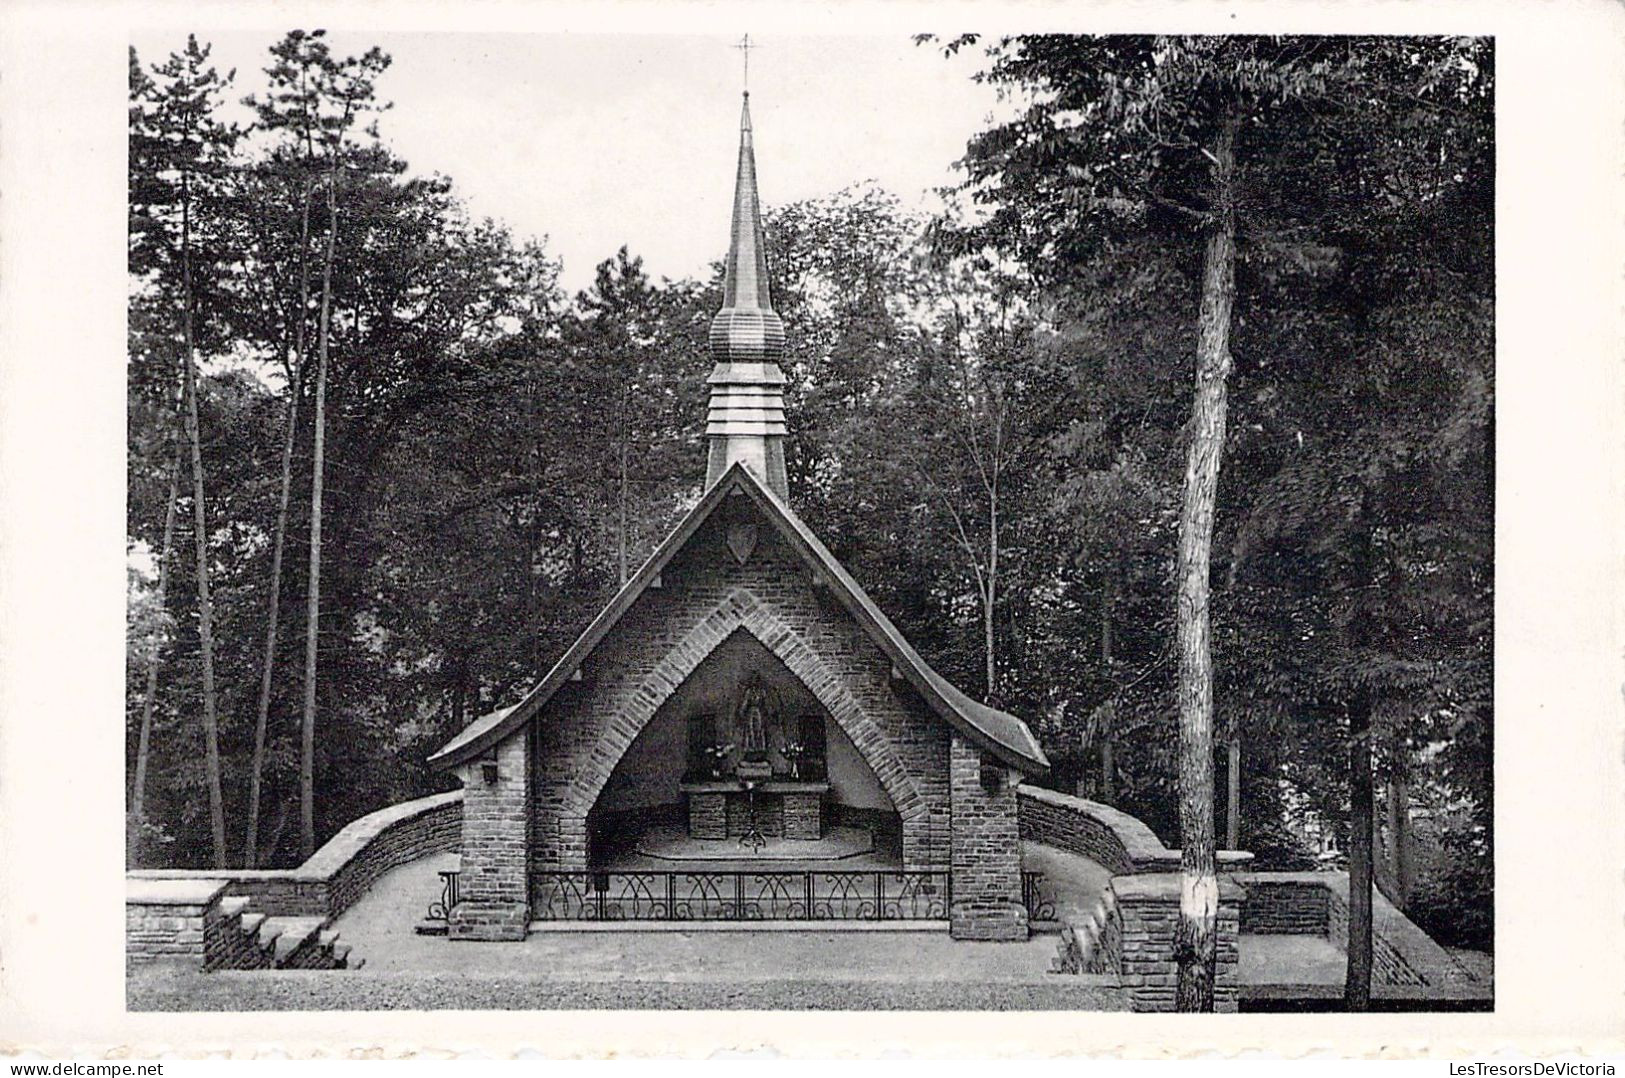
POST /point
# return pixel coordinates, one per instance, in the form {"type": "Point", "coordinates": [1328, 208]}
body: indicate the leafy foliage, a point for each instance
{"type": "Point", "coordinates": [1014, 380]}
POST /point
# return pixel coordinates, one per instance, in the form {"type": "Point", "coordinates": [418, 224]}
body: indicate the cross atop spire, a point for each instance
{"type": "Point", "coordinates": [744, 47]}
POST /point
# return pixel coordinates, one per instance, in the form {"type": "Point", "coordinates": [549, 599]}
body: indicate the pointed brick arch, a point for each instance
{"type": "Point", "coordinates": [743, 611]}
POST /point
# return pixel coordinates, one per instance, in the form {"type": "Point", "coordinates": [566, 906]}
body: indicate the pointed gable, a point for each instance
{"type": "Point", "coordinates": [998, 732]}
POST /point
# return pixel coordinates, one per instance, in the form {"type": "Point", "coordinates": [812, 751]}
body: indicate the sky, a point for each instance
{"type": "Point", "coordinates": [596, 140]}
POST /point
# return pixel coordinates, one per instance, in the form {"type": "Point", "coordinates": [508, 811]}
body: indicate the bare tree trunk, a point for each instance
{"type": "Point", "coordinates": [1108, 768]}
{"type": "Point", "coordinates": [990, 671]}
{"type": "Point", "coordinates": [313, 616]}
{"type": "Point", "coordinates": [1399, 828]}
{"type": "Point", "coordinates": [279, 824]}
{"type": "Point", "coordinates": [295, 388]}
{"type": "Point", "coordinates": [1108, 772]}
{"type": "Point", "coordinates": [620, 536]}
{"type": "Point", "coordinates": [989, 640]}
{"type": "Point", "coordinates": [1232, 807]}
{"type": "Point", "coordinates": [1197, 935]}
{"type": "Point", "coordinates": [143, 742]}
{"type": "Point", "coordinates": [1357, 985]}
{"type": "Point", "coordinates": [205, 613]}
{"type": "Point", "coordinates": [1362, 810]}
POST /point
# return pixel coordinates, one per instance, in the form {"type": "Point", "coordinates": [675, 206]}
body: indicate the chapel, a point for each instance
{"type": "Point", "coordinates": [742, 733]}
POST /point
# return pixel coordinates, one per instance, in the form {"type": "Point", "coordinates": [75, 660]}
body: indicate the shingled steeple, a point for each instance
{"type": "Point", "coordinates": [745, 421]}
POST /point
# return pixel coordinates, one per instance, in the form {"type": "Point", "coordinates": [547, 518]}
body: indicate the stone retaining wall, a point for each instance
{"type": "Point", "coordinates": [1317, 903]}
{"type": "Point", "coordinates": [1284, 907]}
{"type": "Point", "coordinates": [1109, 837]}
{"type": "Point", "coordinates": [342, 870]}
{"type": "Point", "coordinates": [232, 946]}
{"type": "Point", "coordinates": [1148, 906]}
{"type": "Point", "coordinates": [172, 920]}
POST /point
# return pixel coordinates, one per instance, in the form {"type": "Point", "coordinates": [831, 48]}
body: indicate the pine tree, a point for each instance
{"type": "Point", "coordinates": [318, 104]}
{"type": "Point", "coordinates": [183, 152]}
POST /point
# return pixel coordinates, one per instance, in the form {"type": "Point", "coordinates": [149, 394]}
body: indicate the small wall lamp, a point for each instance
{"type": "Point", "coordinates": [992, 774]}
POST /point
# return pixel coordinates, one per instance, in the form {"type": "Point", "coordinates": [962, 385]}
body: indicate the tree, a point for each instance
{"type": "Point", "coordinates": [298, 165]}
{"type": "Point", "coordinates": [977, 404]}
{"type": "Point", "coordinates": [183, 151]}
{"type": "Point", "coordinates": [154, 659]}
{"type": "Point", "coordinates": [1231, 143]}
{"type": "Point", "coordinates": [319, 102]}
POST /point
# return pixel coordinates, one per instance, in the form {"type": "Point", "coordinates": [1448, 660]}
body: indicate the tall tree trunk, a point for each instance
{"type": "Point", "coordinates": [1108, 772]}
{"type": "Point", "coordinates": [1197, 936]}
{"type": "Point", "coordinates": [990, 671]}
{"type": "Point", "coordinates": [1362, 810]}
{"type": "Point", "coordinates": [1108, 765]}
{"type": "Point", "coordinates": [989, 640]}
{"type": "Point", "coordinates": [1232, 806]}
{"type": "Point", "coordinates": [138, 796]}
{"type": "Point", "coordinates": [295, 388]}
{"type": "Point", "coordinates": [313, 615]}
{"type": "Point", "coordinates": [1357, 985]}
{"type": "Point", "coordinates": [1399, 831]}
{"type": "Point", "coordinates": [620, 533]}
{"type": "Point", "coordinates": [205, 604]}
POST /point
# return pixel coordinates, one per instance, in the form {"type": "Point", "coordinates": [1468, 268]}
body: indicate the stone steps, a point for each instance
{"type": "Point", "coordinates": [238, 933]}
{"type": "Point", "coordinates": [306, 943]}
{"type": "Point", "coordinates": [1081, 947]}
{"type": "Point", "coordinates": [293, 933]}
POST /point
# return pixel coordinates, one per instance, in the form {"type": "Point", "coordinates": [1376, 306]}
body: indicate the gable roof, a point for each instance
{"type": "Point", "coordinates": [1001, 733]}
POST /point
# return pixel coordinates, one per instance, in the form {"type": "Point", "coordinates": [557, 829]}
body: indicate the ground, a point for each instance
{"type": "Point", "coordinates": [1290, 960]}
{"type": "Point", "coordinates": [712, 967]}
{"type": "Point", "coordinates": [290, 990]}
{"type": "Point", "coordinates": [718, 965]}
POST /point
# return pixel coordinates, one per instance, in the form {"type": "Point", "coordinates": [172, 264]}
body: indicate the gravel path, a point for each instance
{"type": "Point", "coordinates": [287, 990]}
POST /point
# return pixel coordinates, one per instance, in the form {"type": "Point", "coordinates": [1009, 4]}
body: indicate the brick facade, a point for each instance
{"type": "Point", "coordinates": [986, 862]}
{"type": "Point", "coordinates": [536, 816]}
{"type": "Point", "coordinates": [496, 820]}
{"type": "Point", "coordinates": [706, 594]}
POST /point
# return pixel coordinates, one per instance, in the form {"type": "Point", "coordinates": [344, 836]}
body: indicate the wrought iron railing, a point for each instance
{"type": "Point", "coordinates": [449, 897]}
{"type": "Point", "coordinates": [744, 896]}
{"type": "Point", "coordinates": [740, 896]}
{"type": "Point", "coordinates": [1040, 907]}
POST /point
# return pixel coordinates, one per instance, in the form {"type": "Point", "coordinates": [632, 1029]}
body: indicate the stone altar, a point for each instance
{"type": "Point", "coordinates": [785, 808]}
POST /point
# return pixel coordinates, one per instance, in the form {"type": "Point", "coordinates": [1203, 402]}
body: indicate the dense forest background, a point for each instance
{"type": "Point", "coordinates": [990, 412]}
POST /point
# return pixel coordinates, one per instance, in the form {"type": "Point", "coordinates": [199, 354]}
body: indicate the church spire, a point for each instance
{"type": "Point", "coordinates": [745, 421]}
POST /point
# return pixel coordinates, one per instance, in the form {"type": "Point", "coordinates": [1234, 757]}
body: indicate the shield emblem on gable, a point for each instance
{"type": "Point", "coordinates": [742, 539]}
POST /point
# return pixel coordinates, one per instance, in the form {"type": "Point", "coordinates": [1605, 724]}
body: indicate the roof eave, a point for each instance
{"type": "Point", "coordinates": [1031, 762]}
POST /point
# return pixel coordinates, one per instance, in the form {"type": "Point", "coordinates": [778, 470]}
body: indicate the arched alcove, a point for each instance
{"type": "Point", "coordinates": [644, 789]}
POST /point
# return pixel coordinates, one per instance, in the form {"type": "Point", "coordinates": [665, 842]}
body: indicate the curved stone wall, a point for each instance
{"type": "Point", "coordinates": [341, 871]}
{"type": "Point", "coordinates": [1109, 837]}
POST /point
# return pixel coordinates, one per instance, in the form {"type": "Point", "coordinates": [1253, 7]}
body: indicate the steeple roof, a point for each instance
{"type": "Point", "coordinates": [746, 330]}
{"type": "Point", "coordinates": [746, 284]}
{"type": "Point", "coordinates": [745, 420]}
